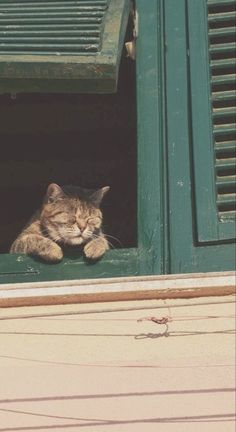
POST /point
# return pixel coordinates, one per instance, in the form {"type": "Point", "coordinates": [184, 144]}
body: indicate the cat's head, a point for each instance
{"type": "Point", "coordinates": [71, 215]}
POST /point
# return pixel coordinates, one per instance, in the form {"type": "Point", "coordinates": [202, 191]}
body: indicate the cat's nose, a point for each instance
{"type": "Point", "coordinates": [81, 224]}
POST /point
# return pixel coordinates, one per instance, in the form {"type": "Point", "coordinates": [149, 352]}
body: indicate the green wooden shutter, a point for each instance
{"type": "Point", "coordinates": [61, 45]}
{"type": "Point", "coordinates": [212, 91]}
{"type": "Point", "coordinates": [222, 32]}
{"type": "Point", "coordinates": [201, 238]}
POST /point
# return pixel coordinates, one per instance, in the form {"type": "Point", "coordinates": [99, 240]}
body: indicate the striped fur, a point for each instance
{"type": "Point", "coordinates": [69, 216]}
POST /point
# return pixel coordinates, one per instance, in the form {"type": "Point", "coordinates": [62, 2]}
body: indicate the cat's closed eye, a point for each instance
{"type": "Point", "coordinates": [94, 220]}
{"type": "Point", "coordinates": [62, 218]}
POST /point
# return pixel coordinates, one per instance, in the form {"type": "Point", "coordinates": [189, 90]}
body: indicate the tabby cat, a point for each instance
{"type": "Point", "coordinates": [70, 216]}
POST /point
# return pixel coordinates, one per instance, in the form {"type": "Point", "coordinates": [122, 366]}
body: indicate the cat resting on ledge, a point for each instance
{"type": "Point", "coordinates": [69, 216]}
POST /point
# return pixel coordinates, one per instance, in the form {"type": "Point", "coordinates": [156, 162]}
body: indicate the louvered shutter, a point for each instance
{"type": "Point", "coordinates": [222, 33]}
{"type": "Point", "coordinates": [65, 45]}
{"type": "Point", "coordinates": [212, 88]}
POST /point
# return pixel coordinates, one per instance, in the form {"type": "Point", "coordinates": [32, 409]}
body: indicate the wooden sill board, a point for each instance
{"type": "Point", "coordinates": [118, 289]}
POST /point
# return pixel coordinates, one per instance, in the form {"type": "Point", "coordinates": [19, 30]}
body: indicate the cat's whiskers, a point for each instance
{"type": "Point", "coordinates": [57, 239]}
{"type": "Point", "coordinates": [46, 234]}
{"type": "Point", "coordinates": [50, 237]}
{"type": "Point", "coordinates": [89, 233]}
{"type": "Point", "coordinates": [115, 238]}
{"type": "Point", "coordinates": [95, 236]}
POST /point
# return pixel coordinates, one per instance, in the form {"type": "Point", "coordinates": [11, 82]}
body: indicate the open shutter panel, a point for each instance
{"type": "Point", "coordinates": [61, 45]}
{"type": "Point", "coordinates": [222, 31]}
{"type": "Point", "coordinates": [212, 95]}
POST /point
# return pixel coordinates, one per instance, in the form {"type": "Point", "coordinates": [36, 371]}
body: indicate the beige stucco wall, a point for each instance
{"type": "Point", "coordinates": [107, 372]}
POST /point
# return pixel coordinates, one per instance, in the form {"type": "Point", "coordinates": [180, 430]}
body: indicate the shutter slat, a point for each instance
{"type": "Point", "coordinates": [50, 48]}
{"type": "Point", "coordinates": [74, 13]}
{"type": "Point", "coordinates": [226, 184]}
{"type": "Point", "coordinates": [224, 95]}
{"type": "Point", "coordinates": [226, 201]}
{"type": "Point", "coordinates": [65, 9]}
{"type": "Point", "coordinates": [224, 129]}
{"type": "Point", "coordinates": [48, 39]}
{"type": "Point", "coordinates": [222, 32]}
{"type": "Point", "coordinates": [54, 19]}
{"type": "Point", "coordinates": [219, 17]}
{"type": "Point", "coordinates": [223, 79]}
{"type": "Point", "coordinates": [17, 10]}
{"type": "Point", "coordinates": [225, 149]}
{"type": "Point", "coordinates": [81, 28]}
{"type": "Point", "coordinates": [224, 113]}
{"type": "Point", "coordinates": [49, 32]}
{"type": "Point", "coordinates": [12, 4]}
{"type": "Point", "coordinates": [226, 166]}
{"type": "Point", "coordinates": [226, 48]}
{"type": "Point", "coordinates": [221, 2]}
{"type": "Point", "coordinates": [223, 64]}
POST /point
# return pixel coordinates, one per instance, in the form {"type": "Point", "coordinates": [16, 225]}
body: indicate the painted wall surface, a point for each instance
{"type": "Point", "coordinates": [108, 372]}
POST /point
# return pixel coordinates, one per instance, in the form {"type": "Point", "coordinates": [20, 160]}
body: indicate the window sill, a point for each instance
{"type": "Point", "coordinates": [117, 289]}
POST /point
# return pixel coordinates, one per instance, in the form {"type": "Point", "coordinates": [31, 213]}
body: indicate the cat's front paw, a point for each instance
{"type": "Point", "coordinates": [51, 252]}
{"type": "Point", "coordinates": [96, 248]}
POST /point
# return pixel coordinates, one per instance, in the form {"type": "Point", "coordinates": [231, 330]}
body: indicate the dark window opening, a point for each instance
{"type": "Point", "coordinates": [86, 140]}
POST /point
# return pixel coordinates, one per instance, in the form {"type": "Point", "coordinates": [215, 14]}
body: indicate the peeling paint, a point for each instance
{"type": "Point", "coordinates": [20, 259]}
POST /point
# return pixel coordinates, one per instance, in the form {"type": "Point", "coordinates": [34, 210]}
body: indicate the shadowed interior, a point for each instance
{"type": "Point", "coordinates": [85, 140]}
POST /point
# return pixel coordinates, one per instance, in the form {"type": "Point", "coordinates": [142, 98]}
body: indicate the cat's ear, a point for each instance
{"type": "Point", "coordinates": [97, 196]}
{"type": "Point", "coordinates": [53, 192]}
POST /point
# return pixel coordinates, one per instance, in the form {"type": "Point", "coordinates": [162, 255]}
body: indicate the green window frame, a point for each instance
{"type": "Point", "coordinates": [146, 258]}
